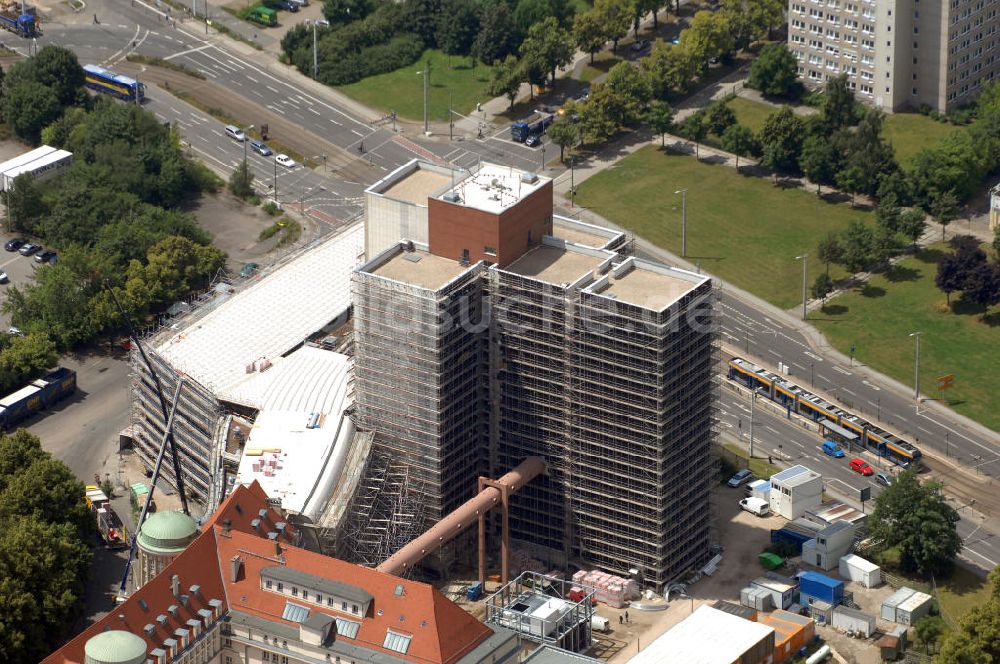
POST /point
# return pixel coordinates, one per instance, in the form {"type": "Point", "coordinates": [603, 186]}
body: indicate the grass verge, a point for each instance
{"type": "Point", "coordinates": [603, 62]}
{"type": "Point", "coordinates": [759, 467]}
{"type": "Point", "coordinates": [222, 116]}
{"type": "Point", "coordinates": [166, 64]}
{"type": "Point", "coordinates": [750, 113]}
{"type": "Point", "coordinates": [741, 228]}
{"type": "Point", "coordinates": [402, 90]}
{"type": "Point", "coordinates": [909, 133]}
{"type": "Point", "coordinates": [879, 318]}
{"type": "Point", "coordinates": [289, 229]}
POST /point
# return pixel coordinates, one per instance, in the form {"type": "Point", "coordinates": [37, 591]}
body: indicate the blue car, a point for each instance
{"type": "Point", "coordinates": [830, 448]}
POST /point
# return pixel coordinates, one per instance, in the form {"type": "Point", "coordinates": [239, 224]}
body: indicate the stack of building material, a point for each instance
{"type": "Point", "coordinates": [612, 590]}
{"type": "Point", "coordinates": [522, 562]}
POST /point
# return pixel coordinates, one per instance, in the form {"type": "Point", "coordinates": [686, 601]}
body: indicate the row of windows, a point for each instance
{"type": "Point", "coordinates": [316, 597]}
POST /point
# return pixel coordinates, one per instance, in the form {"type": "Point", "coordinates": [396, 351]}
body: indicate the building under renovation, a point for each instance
{"type": "Point", "coordinates": [511, 333]}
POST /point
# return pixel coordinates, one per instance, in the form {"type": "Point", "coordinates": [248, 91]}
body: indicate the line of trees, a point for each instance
{"type": "Point", "coordinates": [114, 214]}
{"type": "Point", "coordinates": [45, 533]}
{"type": "Point", "coordinates": [631, 95]}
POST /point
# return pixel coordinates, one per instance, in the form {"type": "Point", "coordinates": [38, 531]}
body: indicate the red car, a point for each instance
{"type": "Point", "coordinates": [861, 466]}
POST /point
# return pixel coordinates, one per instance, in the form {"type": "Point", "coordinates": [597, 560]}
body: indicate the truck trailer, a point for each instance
{"type": "Point", "coordinates": [108, 524]}
{"type": "Point", "coordinates": [533, 125]}
{"type": "Point", "coordinates": [36, 396]}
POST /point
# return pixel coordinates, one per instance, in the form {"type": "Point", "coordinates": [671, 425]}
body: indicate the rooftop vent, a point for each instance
{"type": "Point", "coordinates": [149, 628]}
{"type": "Point", "coordinates": [172, 610]}
{"type": "Point", "coordinates": [413, 258]}
{"type": "Point", "coordinates": [280, 526]}
{"type": "Point", "coordinates": [194, 590]}
{"type": "Point", "coordinates": [262, 513]}
{"type": "Point", "coordinates": [529, 178]}
{"type": "Point", "coordinates": [256, 524]}
{"type": "Point", "coordinates": [311, 423]}
{"type": "Point", "coordinates": [162, 619]}
{"type": "Point", "coordinates": [452, 197]}
{"type": "Point", "coordinates": [399, 590]}
{"type": "Point", "coordinates": [175, 585]}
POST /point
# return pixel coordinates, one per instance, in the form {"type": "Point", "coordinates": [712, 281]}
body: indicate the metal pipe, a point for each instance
{"type": "Point", "coordinates": [464, 516]}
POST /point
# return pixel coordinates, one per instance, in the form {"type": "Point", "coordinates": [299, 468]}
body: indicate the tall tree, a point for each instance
{"type": "Point", "coordinates": [888, 214]}
{"type": "Point", "coordinates": [830, 250]}
{"type": "Point", "coordinates": [29, 106]}
{"type": "Point", "coordinates": [421, 19]}
{"type": "Point", "coordinates": [839, 106]}
{"type": "Point", "coordinates": [55, 68]}
{"type": "Point", "coordinates": [598, 115]}
{"type": "Point", "coordinates": [564, 133]}
{"type": "Point", "coordinates": [914, 517]}
{"type": "Point", "coordinates": [24, 204]}
{"type": "Point", "coordinates": [929, 629]}
{"type": "Point", "coordinates": [720, 118]}
{"type": "Point", "coordinates": [885, 245]}
{"type": "Point", "coordinates": [977, 640]}
{"type": "Point", "coordinates": [912, 224]}
{"type": "Point", "coordinates": [707, 37]}
{"type": "Point", "coordinates": [548, 45]}
{"type": "Point", "coordinates": [670, 68]}
{"type": "Point", "coordinates": [982, 285]}
{"type": "Point", "coordinates": [944, 209]}
{"type": "Point", "coordinates": [458, 26]}
{"type": "Point", "coordinates": [857, 244]}
{"type": "Point", "coordinates": [822, 286]}
{"type": "Point", "coordinates": [615, 16]}
{"type": "Point", "coordinates": [506, 79]}
{"type": "Point", "coordinates": [496, 39]}
{"type": "Point", "coordinates": [632, 85]}
{"type": "Point", "coordinates": [775, 72]}
{"type": "Point", "coordinates": [694, 128]}
{"type": "Point", "coordinates": [781, 140]}
{"type": "Point", "coordinates": [740, 141]}
{"type": "Point", "coordinates": [851, 180]}
{"type": "Point", "coordinates": [345, 11]}
{"type": "Point", "coordinates": [818, 161]}
{"type": "Point", "coordinates": [529, 12]}
{"type": "Point", "coordinates": [660, 118]}
{"type": "Point", "coordinates": [588, 33]}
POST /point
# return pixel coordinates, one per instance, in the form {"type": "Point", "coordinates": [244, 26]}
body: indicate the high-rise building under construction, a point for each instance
{"type": "Point", "coordinates": [495, 331]}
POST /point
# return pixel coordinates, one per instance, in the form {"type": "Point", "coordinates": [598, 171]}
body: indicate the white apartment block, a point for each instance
{"type": "Point", "coordinates": [898, 54]}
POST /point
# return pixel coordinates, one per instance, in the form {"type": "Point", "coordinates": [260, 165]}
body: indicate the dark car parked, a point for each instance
{"type": "Point", "coordinates": [14, 245]}
{"type": "Point", "coordinates": [47, 256]}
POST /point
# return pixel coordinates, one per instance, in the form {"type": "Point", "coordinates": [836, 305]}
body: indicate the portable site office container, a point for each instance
{"type": "Point", "coordinates": [40, 169]}
{"type": "Point", "coordinates": [26, 158]}
{"type": "Point", "coordinates": [817, 586]}
{"type": "Point", "coordinates": [888, 611]}
{"type": "Point", "coordinates": [913, 608]}
{"type": "Point", "coordinates": [853, 621]}
{"type": "Point", "coordinates": [758, 599]}
{"type": "Point", "coordinates": [857, 569]}
{"type": "Point", "coordinates": [782, 593]}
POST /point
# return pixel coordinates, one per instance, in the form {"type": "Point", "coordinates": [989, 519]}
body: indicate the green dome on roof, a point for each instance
{"type": "Point", "coordinates": [167, 532]}
{"type": "Point", "coordinates": [115, 647]}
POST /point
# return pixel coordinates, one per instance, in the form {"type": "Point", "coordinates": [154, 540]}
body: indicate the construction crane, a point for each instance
{"type": "Point", "coordinates": [167, 439]}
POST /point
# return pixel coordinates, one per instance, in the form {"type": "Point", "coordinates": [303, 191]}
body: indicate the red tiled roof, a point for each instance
{"type": "Point", "coordinates": [441, 632]}
{"type": "Point", "coordinates": [191, 570]}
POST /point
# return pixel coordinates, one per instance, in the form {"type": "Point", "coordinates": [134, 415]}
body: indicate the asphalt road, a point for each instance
{"type": "Point", "coordinates": [785, 438]}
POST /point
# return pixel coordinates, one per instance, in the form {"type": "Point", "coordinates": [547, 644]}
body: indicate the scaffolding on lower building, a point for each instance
{"type": "Point", "coordinates": [386, 512]}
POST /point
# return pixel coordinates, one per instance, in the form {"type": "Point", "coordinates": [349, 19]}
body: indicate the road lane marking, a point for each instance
{"type": "Point", "coordinates": [877, 389]}
{"type": "Point", "coordinates": [190, 50]}
{"type": "Point", "coordinates": [813, 356]}
{"type": "Point", "coordinates": [844, 389]}
{"type": "Point", "coordinates": [992, 563]}
{"type": "Point", "coordinates": [822, 377]}
{"type": "Point", "coordinates": [274, 90]}
{"type": "Point", "coordinates": [842, 370]}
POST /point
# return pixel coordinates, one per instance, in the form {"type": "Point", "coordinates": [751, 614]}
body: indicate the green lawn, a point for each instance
{"type": "Point", "coordinates": [750, 113]}
{"type": "Point", "coordinates": [741, 228]}
{"type": "Point", "coordinates": [880, 317]}
{"type": "Point", "coordinates": [403, 90]}
{"type": "Point", "coordinates": [909, 133]}
{"type": "Point", "coordinates": [603, 62]}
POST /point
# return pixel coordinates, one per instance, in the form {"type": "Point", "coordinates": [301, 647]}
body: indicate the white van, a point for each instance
{"type": "Point", "coordinates": [235, 132]}
{"type": "Point", "coordinates": [757, 506]}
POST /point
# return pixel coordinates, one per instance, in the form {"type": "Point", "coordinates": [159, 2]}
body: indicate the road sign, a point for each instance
{"type": "Point", "coordinates": [945, 382]}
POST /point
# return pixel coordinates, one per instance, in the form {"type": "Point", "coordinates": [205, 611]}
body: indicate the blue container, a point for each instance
{"type": "Point", "coordinates": [812, 584]}
{"type": "Point", "coordinates": [475, 591]}
{"type": "Point", "coordinates": [797, 539]}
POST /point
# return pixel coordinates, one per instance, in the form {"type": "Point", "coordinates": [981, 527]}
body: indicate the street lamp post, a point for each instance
{"type": "Point", "coordinates": [684, 245]}
{"type": "Point", "coordinates": [246, 139]}
{"type": "Point", "coordinates": [317, 22]}
{"type": "Point", "coordinates": [805, 300]}
{"type": "Point", "coordinates": [543, 159]}
{"type": "Point", "coordinates": [275, 181]}
{"type": "Point", "coordinates": [916, 367]}
{"type": "Point", "coordinates": [426, 71]}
